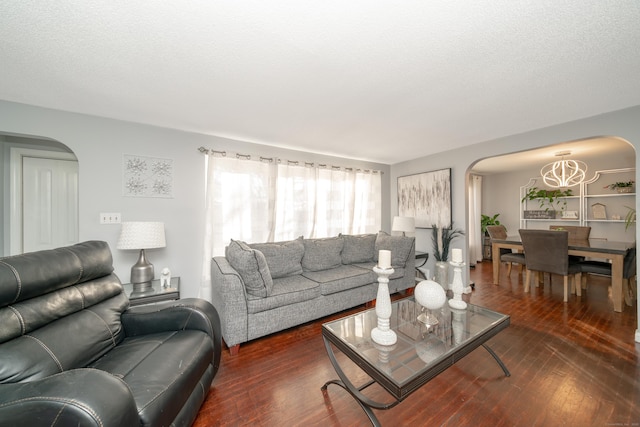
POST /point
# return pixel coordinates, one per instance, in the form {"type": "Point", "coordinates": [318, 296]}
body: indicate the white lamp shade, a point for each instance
{"type": "Point", "coordinates": [142, 235]}
{"type": "Point", "coordinates": [406, 224]}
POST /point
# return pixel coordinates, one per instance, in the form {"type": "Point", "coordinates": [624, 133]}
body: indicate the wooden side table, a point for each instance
{"type": "Point", "coordinates": [154, 294]}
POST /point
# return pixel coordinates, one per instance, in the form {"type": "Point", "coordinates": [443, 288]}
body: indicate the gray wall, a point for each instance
{"type": "Point", "coordinates": [99, 145]}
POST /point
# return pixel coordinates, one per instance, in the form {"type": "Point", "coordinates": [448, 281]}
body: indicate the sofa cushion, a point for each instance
{"type": "Point", "coordinates": [341, 278]}
{"type": "Point", "coordinates": [358, 248]}
{"type": "Point", "coordinates": [322, 254]}
{"type": "Point", "coordinates": [286, 290]}
{"type": "Point", "coordinates": [283, 258]}
{"type": "Point", "coordinates": [400, 247]}
{"type": "Point", "coordinates": [159, 369]}
{"type": "Point", "coordinates": [69, 342]}
{"type": "Point", "coordinates": [37, 273]}
{"type": "Point", "coordinates": [252, 267]}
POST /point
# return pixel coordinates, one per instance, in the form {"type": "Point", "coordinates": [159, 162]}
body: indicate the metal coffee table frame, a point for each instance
{"type": "Point", "coordinates": [482, 324]}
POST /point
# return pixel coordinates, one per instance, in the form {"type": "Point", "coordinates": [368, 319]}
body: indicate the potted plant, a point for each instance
{"type": "Point", "coordinates": [621, 186]}
{"type": "Point", "coordinates": [630, 218]}
{"type": "Point", "coordinates": [550, 200]}
{"type": "Point", "coordinates": [442, 239]}
{"type": "Point", "coordinates": [486, 220]}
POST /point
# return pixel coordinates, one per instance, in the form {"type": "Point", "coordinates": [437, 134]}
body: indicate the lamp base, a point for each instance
{"type": "Point", "coordinates": [142, 273]}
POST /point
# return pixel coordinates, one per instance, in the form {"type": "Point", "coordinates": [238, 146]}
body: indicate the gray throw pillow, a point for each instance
{"type": "Point", "coordinates": [322, 254]}
{"type": "Point", "coordinates": [252, 267]}
{"type": "Point", "coordinates": [358, 248]}
{"type": "Point", "coordinates": [283, 258]}
{"type": "Point", "coordinates": [400, 247]}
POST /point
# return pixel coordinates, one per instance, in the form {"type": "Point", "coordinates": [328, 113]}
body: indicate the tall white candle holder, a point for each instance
{"type": "Point", "coordinates": [382, 334]}
{"type": "Point", "coordinates": [457, 287]}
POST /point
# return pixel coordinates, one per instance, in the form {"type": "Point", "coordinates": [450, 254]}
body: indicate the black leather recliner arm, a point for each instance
{"type": "Point", "coordinates": [188, 313]}
{"type": "Point", "coordinates": [79, 397]}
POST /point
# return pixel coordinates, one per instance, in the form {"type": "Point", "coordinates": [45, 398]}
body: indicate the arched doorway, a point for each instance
{"type": "Point", "coordinates": [501, 177]}
{"type": "Point", "coordinates": [40, 194]}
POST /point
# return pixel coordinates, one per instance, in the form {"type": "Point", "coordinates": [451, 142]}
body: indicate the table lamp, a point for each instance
{"type": "Point", "coordinates": [406, 224]}
{"type": "Point", "coordinates": [141, 235]}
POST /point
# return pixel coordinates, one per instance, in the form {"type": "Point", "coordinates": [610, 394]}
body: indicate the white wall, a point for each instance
{"type": "Point", "coordinates": [99, 145]}
{"type": "Point", "coordinates": [622, 123]}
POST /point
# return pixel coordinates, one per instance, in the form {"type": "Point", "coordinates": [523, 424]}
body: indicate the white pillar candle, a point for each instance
{"type": "Point", "coordinates": [384, 259]}
{"type": "Point", "coordinates": [456, 255]}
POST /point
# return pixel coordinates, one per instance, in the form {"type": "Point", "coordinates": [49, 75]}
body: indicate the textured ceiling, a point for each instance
{"type": "Point", "coordinates": [366, 79]}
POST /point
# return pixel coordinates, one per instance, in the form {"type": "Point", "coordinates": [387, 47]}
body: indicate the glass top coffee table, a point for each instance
{"type": "Point", "coordinates": [420, 354]}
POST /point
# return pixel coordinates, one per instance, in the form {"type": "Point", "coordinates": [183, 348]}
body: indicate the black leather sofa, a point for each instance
{"type": "Point", "coordinates": [72, 352]}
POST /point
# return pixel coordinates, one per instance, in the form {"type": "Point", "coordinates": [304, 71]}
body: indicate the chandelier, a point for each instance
{"type": "Point", "coordinates": [563, 173]}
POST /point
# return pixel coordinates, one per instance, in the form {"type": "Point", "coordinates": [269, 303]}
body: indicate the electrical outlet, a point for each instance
{"type": "Point", "coordinates": [110, 218]}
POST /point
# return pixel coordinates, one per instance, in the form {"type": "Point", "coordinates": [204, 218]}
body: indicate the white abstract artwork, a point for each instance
{"type": "Point", "coordinates": [147, 176]}
{"type": "Point", "coordinates": [426, 197]}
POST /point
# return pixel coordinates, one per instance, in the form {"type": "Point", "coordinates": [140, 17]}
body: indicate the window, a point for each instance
{"type": "Point", "coordinates": [258, 201]}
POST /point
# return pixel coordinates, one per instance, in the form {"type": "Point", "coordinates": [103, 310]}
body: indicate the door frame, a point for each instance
{"type": "Point", "coordinates": [15, 189]}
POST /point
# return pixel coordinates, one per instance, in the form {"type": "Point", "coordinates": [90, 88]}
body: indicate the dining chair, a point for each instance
{"type": "Point", "coordinates": [575, 232]}
{"type": "Point", "coordinates": [499, 232]}
{"type": "Point", "coordinates": [547, 251]}
{"type": "Point", "coordinates": [629, 281]}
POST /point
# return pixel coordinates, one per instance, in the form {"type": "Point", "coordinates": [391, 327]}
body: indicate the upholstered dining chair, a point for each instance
{"type": "Point", "coordinates": [575, 232]}
{"type": "Point", "coordinates": [629, 282]}
{"type": "Point", "coordinates": [547, 251]}
{"type": "Point", "coordinates": [506, 255]}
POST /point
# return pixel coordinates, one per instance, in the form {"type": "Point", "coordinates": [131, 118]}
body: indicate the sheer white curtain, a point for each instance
{"type": "Point", "coordinates": [475, 212]}
{"type": "Point", "coordinates": [258, 201]}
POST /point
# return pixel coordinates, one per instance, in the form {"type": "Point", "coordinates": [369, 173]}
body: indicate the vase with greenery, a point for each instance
{"type": "Point", "coordinates": [548, 199]}
{"type": "Point", "coordinates": [442, 238]}
{"type": "Point", "coordinates": [621, 186]}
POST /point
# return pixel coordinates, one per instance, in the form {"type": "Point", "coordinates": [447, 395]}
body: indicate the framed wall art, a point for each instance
{"type": "Point", "coordinates": [426, 197]}
{"type": "Point", "coordinates": [147, 176]}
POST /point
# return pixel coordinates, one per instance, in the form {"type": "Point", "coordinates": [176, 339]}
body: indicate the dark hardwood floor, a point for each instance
{"type": "Point", "coordinates": [573, 364]}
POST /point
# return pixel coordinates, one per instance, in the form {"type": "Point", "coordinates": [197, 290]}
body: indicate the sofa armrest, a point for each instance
{"type": "Point", "coordinates": [79, 397]}
{"type": "Point", "coordinates": [187, 313]}
{"type": "Point", "coordinates": [229, 296]}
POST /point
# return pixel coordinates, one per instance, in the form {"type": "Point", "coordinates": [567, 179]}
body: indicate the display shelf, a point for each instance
{"type": "Point", "coordinates": [551, 219]}
{"type": "Point", "coordinates": [616, 195]}
{"type": "Point", "coordinates": [589, 192]}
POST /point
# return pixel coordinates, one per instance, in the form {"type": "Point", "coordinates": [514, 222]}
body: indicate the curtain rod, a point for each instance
{"type": "Point", "coordinates": [211, 152]}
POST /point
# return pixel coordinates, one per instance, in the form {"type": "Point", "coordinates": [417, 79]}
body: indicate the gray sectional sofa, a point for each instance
{"type": "Point", "coordinates": [262, 288]}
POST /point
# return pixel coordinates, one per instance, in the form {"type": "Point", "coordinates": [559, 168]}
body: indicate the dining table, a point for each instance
{"type": "Point", "coordinates": [601, 249]}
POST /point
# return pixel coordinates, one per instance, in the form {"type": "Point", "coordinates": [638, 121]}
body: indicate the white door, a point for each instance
{"type": "Point", "coordinates": [44, 201]}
